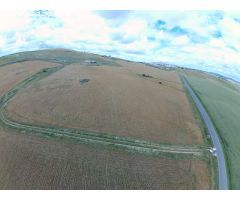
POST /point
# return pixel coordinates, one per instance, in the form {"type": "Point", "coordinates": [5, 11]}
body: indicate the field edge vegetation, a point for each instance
{"type": "Point", "coordinates": [212, 163]}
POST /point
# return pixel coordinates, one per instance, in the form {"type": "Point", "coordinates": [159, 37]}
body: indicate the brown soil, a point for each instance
{"type": "Point", "coordinates": [11, 75]}
{"type": "Point", "coordinates": [115, 100]}
{"type": "Point", "coordinates": [29, 162]}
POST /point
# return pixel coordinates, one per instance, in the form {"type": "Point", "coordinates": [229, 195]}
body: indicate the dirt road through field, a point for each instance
{"type": "Point", "coordinates": [87, 136]}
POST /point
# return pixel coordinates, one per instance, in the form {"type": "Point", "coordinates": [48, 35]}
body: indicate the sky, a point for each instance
{"type": "Point", "coordinates": [205, 40]}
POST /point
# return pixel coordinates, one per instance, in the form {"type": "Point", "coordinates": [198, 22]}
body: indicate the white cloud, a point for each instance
{"type": "Point", "coordinates": [231, 32]}
{"type": "Point", "coordinates": [11, 19]}
{"type": "Point", "coordinates": [206, 40]}
{"type": "Point", "coordinates": [2, 41]}
{"type": "Point", "coordinates": [83, 25]}
{"type": "Point", "coordinates": [217, 43]}
{"type": "Point", "coordinates": [182, 40]}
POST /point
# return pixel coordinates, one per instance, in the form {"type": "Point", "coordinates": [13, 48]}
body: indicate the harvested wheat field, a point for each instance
{"type": "Point", "coordinates": [84, 121]}
{"type": "Point", "coordinates": [29, 162]}
{"type": "Point", "coordinates": [111, 99]}
{"type": "Point", "coordinates": [12, 74]}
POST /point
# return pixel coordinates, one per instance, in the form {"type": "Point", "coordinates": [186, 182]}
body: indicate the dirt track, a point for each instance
{"type": "Point", "coordinates": [86, 136]}
{"type": "Point", "coordinates": [116, 100]}
{"type": "Point", "coordinates": [71, 158]}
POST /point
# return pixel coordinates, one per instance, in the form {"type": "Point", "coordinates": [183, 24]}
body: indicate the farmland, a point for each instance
{"type": "Point", "coordinates": [222, 101]}
{"type": "Point", "coordinates": [84, 121]}
{"type": "Point", "coordinates": [14, 73]}
{"type": "Point", "coordinates": [116, 100]}
{"type": "Point", "coordinates": [29, 162]}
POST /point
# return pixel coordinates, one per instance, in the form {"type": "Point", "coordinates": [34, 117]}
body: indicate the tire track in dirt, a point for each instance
{"type": "Point", "coordinates": [87, 136]}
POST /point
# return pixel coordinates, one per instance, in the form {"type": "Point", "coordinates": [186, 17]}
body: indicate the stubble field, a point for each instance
{"type": "Point", "coordinates": [29, 162]}
{"type": "Point", "coordinates": [12, 74]}
{"type": "Point", "coordinates": [110, 96]}
{"type": "Point", "coordinates": [115, 100]}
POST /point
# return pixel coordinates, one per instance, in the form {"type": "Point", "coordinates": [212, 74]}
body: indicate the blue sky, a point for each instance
{"type": "Point", "coordinates": [206, 40]}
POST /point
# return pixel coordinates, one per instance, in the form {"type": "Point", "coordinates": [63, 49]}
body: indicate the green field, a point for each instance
{"type": "Point", "coordinates": [222, 102]}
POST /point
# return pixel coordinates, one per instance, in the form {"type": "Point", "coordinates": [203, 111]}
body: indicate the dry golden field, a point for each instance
{"type": "Point", "coordinates": [12, 74]}
{"type": "Point", "coordinates": [111, 97]}
{"type": "Point", "coordinates": [29, 162]}
{"type": "Point", "coordinates": [116, 100]}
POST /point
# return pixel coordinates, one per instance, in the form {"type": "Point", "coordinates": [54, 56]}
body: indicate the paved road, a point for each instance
{"type": "Point", "coordinates": [222, 172]}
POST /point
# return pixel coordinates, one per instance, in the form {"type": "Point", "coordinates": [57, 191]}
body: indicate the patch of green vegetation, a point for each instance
{"type": "Point", "coordinates": [223, 106]}
{"type": "Point", "coordinates": [145, 75]}
{"type": "Point", "coordinates": [7, 60]}
{"type": "Point", "coordinates": [199, 120]}
{"type": "Point", "coordinates": [211, 161]}
{"type": "Point", "coordinates": [57, 56]}
{"type": "Point", "coordinates": [83, 81]}
{"type": "Point", "coordinates": [229, 84]}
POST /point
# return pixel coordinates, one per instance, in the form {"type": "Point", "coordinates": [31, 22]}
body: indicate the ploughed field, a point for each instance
{"type": "Point", "coordinates": [71, 120]}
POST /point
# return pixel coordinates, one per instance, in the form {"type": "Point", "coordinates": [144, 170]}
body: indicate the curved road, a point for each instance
{"type": "Point", "coordinates": [222, 171]}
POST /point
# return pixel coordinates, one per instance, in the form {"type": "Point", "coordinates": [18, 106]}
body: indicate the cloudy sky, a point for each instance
{"type": "Point", "coordinates": [207, 40]}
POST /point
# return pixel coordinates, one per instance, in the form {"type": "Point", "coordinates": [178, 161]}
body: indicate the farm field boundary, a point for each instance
{"type": "Point", "coordinates": [87, 136]}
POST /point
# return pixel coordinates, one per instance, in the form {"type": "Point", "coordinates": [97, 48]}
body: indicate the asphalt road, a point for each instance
{"type": "Point", "coordinates": [222, 171]}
